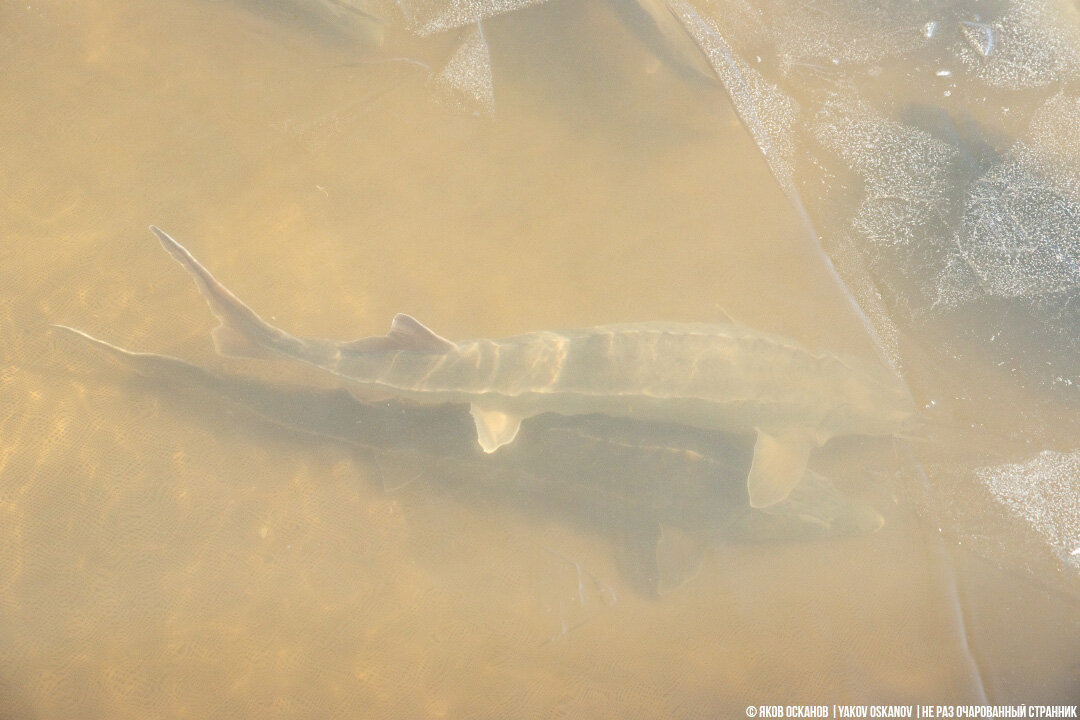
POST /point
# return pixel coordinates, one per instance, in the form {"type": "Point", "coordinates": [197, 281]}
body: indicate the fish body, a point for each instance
{"type": "Point", "coordinates": [722, 377]}
{"type": "Point", "coordinates": [665, 491]}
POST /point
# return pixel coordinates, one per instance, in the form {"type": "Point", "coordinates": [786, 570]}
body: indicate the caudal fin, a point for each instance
{"type": "Point", "coordinates": [142, 363]}
{"type": "Point", "coordinates": [242, 332]}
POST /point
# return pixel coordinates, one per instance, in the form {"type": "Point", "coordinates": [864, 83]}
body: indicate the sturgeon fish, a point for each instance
{"type": "Point", "coordinates": [665, 492]}
{"type": "Point", "coordinates": [722, 377]}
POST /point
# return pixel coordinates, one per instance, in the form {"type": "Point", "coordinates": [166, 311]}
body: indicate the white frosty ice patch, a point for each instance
{"type": "Point", "coordinates": [1012, 238]}
{"type": "Point", "coordinates": [1031, 45]}
{"type": "Point", "coordinates": [426, 17]}
{"type": "Point", "coordinates": [1044, 491]}
{"type": "Point", "coordinates": [1015, 238]}
{"type": "Point", "coordinates": [465, 83]}
{"type": "Point", "coordinates": [905, 171]}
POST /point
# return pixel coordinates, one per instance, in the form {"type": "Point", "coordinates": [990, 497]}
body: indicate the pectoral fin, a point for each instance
{"type": "Point", "coordinates": [778, 465]}
{"type": "Point", "coordinates": [494, 428]}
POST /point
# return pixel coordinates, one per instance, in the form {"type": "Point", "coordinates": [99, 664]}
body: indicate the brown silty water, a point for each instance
{"type": "Point", "coordinates": [166, 552]}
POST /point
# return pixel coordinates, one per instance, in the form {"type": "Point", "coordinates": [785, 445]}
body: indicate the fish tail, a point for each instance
{"type": "Point", "coordinates": [242, 333]}
{"type": "Point", "coordinates": [106, 347]}
{"type": "Point", "coordinates": [147, 364]}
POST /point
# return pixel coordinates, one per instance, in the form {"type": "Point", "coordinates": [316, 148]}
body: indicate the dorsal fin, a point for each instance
{"type": "Point", "coordinates": [406, 333]}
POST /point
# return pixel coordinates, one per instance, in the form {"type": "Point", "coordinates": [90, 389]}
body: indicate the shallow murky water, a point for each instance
{"type": "Point", "coordinates": [899, 183]}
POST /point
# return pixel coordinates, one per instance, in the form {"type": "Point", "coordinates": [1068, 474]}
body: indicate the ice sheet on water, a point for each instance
{"type": "Point", "coordinates": [766, 111]}
{"type": "Point", "coordinates": [1032, 44]}
{"type": "Point", "coordinates": [465, 83]}
{"type": "Point", "coordinates": [904, 170]}
{"type": "Point", "coordinates": [1010, 242]}
{"type": "Point", "coordinates": [1044, 491]}
{"type": "Point", "coordinates": [904, 213]}
{"type": "Point", "coordinates": [955, 223]}
{"type": "Point", "coordinates": [964, 232]}
{"type": "Point", "coordinates": [888, 241]}
{"type": "Point", "coordinates": [829, 32]}
{"type": "Point", "coordinates": [426, 17]}
{"type": "Point", "coordinates": [1017, 236]}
